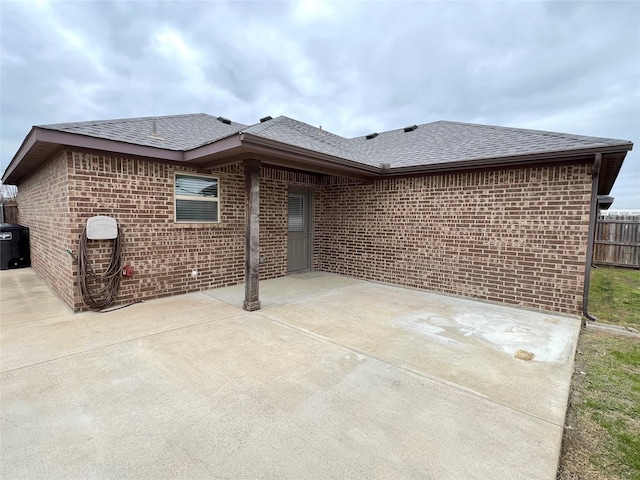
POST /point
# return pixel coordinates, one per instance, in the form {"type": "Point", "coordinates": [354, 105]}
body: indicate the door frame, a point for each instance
{"type": "Point", "coordinates": [308, 193]}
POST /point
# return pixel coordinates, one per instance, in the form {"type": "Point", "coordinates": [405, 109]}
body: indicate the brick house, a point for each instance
{"type": "Point", "coordinates": [493, 213]}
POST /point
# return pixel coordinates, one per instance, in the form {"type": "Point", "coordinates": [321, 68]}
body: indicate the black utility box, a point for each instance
{"type": "Point", "coordinates": [14, 246]}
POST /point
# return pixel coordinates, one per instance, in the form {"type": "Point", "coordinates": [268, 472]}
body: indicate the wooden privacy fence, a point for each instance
{"type": "Point", "coordinates": [8, 213]}
{"type": "Point", "coordinates": [617, 241]}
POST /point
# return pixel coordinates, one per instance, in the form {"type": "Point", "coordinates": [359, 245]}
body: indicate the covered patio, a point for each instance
{"type": "Point", "coordinates": [333, 378]}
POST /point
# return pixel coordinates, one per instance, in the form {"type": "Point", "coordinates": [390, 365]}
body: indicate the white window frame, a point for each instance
{"type": "Point", "coordinates": [177, 197]}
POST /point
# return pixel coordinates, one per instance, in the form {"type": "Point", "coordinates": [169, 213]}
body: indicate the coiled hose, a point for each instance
{"type": "Point", "coordinates": [100, 291]}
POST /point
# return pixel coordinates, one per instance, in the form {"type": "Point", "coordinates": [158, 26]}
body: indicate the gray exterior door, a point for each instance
{"type": "Point", "coordinates": [298, 238]}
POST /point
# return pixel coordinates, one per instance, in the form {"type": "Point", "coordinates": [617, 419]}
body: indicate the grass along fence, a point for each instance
{"type": "Point", "coordinates": [617, 241]}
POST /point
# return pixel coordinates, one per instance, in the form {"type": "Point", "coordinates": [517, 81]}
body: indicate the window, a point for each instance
{"type": "Point", "coordinates": [296, 212]}
{"type": "Point", "coordinates": [196, 199]}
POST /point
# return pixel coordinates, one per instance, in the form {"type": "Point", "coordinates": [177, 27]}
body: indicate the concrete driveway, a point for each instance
{"type": "Point", "coordinates": [333, 378]}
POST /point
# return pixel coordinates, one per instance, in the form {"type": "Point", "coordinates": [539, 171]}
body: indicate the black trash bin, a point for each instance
{"type": "Point", "coordinates": [14, 246]}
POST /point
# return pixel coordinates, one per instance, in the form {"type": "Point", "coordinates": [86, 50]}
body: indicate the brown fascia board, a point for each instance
{"type": "Point", "coordinates": [304, 158]}
{"type": "Point", "coordinates": [42, 136]}
{"type": "Point", "coordinates": [609, 170]}
{"type": "Point", "coordinates": [585, 154]}
{"type": "Point", "coordinates": [244, 146]}
{"type": "Point", "coordinates": [227, 146]}
{"type": "Point", "coordinates": [213, 154]}
{"type": "Point", "coordinates": [106, 145]}
{"type": "Point", "coordinates": [284, 155]}
{"type": "Point", "coordinates": [27, 144]}
{"type": "Point", "coordinates": [263, 145]}
{"type": "Point", "coordinates": [278, 161]}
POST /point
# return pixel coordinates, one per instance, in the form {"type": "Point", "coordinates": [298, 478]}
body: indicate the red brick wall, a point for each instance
{"type": "Point", "coordinates": [274, 187]}
{"type": "Point", "coordinates": [139, 195]}
{"type": "Point", "coordinates": [44, 208]}
{"type": "Point", "coordinates": [514, 236]}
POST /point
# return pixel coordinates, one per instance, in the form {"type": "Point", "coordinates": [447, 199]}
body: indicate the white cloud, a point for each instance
{"type": "Point", "coordinates": [353, 67]}
{"type": "Point", "coordinates": [311, 10]}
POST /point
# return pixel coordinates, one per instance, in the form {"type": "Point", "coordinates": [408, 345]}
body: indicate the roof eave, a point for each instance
{"type": "Point", "coordinates": [209, 150]}
{"type": "Point", "coordinates": [30, 155]}
{"type": "Point", "coordinates": [27, 144]}
{"type": "Point", "coordinates": [510, 161]}
{"type": "Point", "coordinates": [23, 162]}
{"type": "Point", "coordinates": [261, 144]}
{"type": "Point", "coordinates": [107, 145]}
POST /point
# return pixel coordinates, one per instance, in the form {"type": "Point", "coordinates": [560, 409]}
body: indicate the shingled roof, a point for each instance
{"type": "Point", "coordinates": [429, 143]}
{"type": "Point", "coordinates": [294, 132]}
{"type": "Point", "coordinates": [209, 140]}
{"type": "Point", "coordinates": [449, 142]}
{"type": "Point", "coordinates": [173, 132]}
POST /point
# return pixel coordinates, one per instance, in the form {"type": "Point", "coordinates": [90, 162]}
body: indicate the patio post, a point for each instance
{"type": "Point", "coordinates": [252, 234]}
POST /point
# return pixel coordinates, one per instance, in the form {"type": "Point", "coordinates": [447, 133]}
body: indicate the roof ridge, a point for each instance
{"type": "Point", "coordinates": [271, 123]}
{"type": "Point", "coordinates": [398, 129]}
{"type": "Point", "coordinates": [313, 135]}
{"type": "Point", "coordinates": [319, 129]}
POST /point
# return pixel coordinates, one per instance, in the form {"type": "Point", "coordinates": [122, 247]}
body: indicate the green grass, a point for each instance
{"type": "Point", "coordinates": [604, 414]}
{"type": "Point", "coordinates": [614, 296]}
{"type": "Point", "coordinates": [611, 400]}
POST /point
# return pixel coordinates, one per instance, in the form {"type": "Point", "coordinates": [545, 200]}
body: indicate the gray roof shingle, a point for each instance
{"type": "Point", "coordinates": [429, 144]}
{"type": "Point", "coordinates": [446, 142]}
{"type": "Point", "coordinates": [174, 132]}
{"type": "Point", "coordinates": [300, 134]}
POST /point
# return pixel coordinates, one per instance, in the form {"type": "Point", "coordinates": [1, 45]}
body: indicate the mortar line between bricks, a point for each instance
{"type": "Point", "coordinates": [407, 369]}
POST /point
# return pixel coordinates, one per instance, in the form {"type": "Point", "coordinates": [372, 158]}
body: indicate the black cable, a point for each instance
{"type": "Point", "coordinates": [100, 291]}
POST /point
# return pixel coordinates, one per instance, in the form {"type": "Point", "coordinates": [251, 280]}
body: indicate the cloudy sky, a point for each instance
{"type": "Point", "coordinates": [352, 67]}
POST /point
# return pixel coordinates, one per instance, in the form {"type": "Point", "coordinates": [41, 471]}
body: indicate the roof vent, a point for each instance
{"type": "Point", "coordinates": [225, 120]}
{"type": "Point", "coordinates": [411, 128]}
{"type": "Point", "coordinates": [385, 166]}
{"type": "Point", "coordinates": [266, 119]}
{"type": "Point", "coordinates": [372, 135]}
{"type": "Point", "coordinates": [154, 131]}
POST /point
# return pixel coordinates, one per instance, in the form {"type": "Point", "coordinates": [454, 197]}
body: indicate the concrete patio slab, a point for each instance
{"type": "Point", "coordinates": [33, 340]}
{"type": "Point", "coordinates": [194, 387]}
{"type": "Point", "coordinates": [15, 312]}
{"type": "Point", "coordinates": [21, 284]}
{"type": "Point", "coordinates": [463, 343]}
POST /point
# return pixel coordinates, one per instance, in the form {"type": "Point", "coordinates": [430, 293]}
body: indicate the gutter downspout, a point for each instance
{"type": "Point", "coordinates": [592, 231]}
